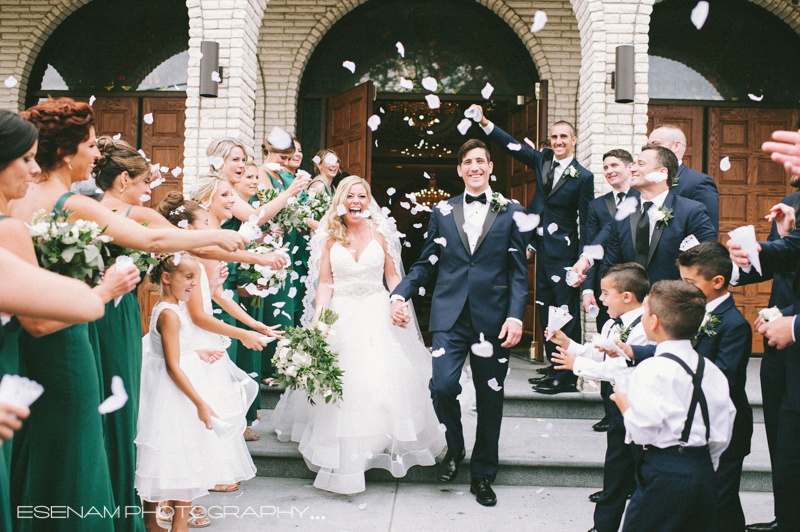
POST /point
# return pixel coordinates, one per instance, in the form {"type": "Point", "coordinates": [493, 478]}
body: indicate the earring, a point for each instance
{"type": "Point", "coordinates": [123, 189]}
{"type": "Point", "coordinates": [70, 165]}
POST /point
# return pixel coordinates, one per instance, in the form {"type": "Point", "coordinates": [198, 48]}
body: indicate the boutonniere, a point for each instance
{"type": "Point", "coordinates": [571, 171]}
{"type": "Point", "coordinates": [663, 214]}
{"type": "Point", "coordinates": [623, 336]}
{"type": "Point", "coordinates": [498, 203]}
{"type": "Point", "coordinates": [675, 182]}
{"type": "Point", "coordinates": [709, 326]}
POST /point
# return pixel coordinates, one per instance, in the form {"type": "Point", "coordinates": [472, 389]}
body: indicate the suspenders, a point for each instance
{"type": "Point", "coordinates": [697, 397]}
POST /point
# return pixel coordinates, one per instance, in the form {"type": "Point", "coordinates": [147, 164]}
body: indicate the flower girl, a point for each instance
{"type": "Point", "coordinates": [180, 458]}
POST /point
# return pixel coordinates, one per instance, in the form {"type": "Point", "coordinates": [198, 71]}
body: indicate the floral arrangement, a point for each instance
{"type": "Point", "coordinates": [262, 281]}
{"type": "Point", "coordinates": [498, 203]}
{"type": "Point", "coordinates": [314, 204]}
{"type": "Point", "coordinates": [769, 314]}
{"type": "Point", "coordinates": [709, 325]}
{"type": "Point", "coordinates": [663, 214]}
{"type": "Point", "coordinates": [72, 249]}
{"type": "Point", "coordinates": [304, 361]}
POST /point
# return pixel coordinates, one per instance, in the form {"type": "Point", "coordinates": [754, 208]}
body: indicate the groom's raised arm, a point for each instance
{"type": "Point", "coordinates": [422, 270]}
{"type": "Point", "coordinates": [518, 271]}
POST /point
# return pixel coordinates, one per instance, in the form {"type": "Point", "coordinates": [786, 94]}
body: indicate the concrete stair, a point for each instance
{"type": "Point", "coordinates": [544, 441]}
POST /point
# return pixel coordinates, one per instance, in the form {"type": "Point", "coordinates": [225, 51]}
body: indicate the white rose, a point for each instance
{"type": "Point", "coordinates": [291, 371]}
{"type": "Point", "coordinates": [301, 358]}
{"type": "Point", "coordinates": [659, 215]}
{"type": "Point", "coordinates": [770, 314]}
{"type": "Point", "coordinates": [705, 319]}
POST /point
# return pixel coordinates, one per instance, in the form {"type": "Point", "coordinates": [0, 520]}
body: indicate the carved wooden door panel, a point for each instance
{"type": "Point", "coordinates": [348, 133]}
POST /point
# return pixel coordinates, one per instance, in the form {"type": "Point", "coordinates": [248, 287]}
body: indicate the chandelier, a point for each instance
{"type": "Point", "coordinates": [432, 195]}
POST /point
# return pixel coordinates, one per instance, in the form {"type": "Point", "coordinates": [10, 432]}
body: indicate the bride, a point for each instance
{"type": "Point", "coordinates": [385, 419]}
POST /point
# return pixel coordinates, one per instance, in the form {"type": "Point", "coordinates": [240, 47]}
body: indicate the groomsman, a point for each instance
{"type": "Point", "coordinates": [564, 189]}
{"type": "Point", "coordinates": [688, 183]}
{"type": "Point", "coordinates": [601, 211]}
{"type": "Point", "coordinates": [653, 234]}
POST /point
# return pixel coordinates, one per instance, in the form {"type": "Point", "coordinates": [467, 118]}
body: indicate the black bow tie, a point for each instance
{"type": "Point", "coordinates": [618, 322]}
{"type": "Point", "coordinates": [480, 199]}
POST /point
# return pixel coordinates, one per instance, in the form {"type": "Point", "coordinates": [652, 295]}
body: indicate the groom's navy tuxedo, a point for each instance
{"type": "Point", "coordinates": [559, 250]}
{"type": "Point", "coordinates": [475, 293]}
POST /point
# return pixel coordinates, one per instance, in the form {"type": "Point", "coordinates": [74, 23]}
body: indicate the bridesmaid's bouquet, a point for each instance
{"type": "Point", "coordinates": [262, 281]}
{"type": "Point", "coordinates": [317, 203]}
{"type": "Point", "coordinates": [313, 205]}
{"type": "Point", "coordinates": [304, 360]}
{"type": "Point", "coordinates": [72, 249]}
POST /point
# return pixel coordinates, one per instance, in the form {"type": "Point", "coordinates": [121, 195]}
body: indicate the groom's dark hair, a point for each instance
{"type": "Point", "coordinates": [471, 144]}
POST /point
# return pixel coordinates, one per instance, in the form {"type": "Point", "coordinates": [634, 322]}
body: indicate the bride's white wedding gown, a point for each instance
{"type": "Point", "coordinates": [386, 418]}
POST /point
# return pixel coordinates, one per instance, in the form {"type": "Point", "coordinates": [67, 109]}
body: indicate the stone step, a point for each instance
{"type": "Point", "coordinates": [522, 401]}
{"type": "Point", "coordinates": [533, 452]}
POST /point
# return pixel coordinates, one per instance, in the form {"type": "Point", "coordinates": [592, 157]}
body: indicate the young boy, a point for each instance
{"type": "Point", "coordinates": [679, 410]}
{"type": "Point", "coordinates": [623, 288]}
{"type": "Point", "coordinates": [725, 338]}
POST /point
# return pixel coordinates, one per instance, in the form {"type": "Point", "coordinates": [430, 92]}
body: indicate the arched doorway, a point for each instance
{"type": "Point", "coordinates": [462, 45]}
{"type": "Point", "coordinates": [728, 86]}
{"type": "Point", "coordinates": [129, 59]}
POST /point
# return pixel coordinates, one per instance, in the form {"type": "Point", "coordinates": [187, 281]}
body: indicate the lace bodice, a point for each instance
{"type": "Point", "coordinates": [187, 342]}
{"type": "Point", "coordinates": [357, 279]}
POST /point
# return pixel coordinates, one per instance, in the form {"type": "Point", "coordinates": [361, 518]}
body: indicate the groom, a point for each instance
{"type": "Point", "coordinates": [477, 255]}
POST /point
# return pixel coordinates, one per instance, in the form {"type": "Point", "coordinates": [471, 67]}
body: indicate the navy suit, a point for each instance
{"type": "Point", "coordinates": [568, 200]}
{"type": "Point", "coordinates": [698, 186]}
{"type": "Point", "coordinates": [475, 293]}
{"type": "Point", "coordinates": [600, 214]}
{"type": "Point", "coordinates": [729, 348]}
{"type": "Point", "coordinates": [773, 362]}
{"type": "Point", "coordinates": [689, 218]}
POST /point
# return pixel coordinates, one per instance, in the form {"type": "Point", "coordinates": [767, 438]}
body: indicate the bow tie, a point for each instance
{"type": "Point", "coordinates": [618, 322]}
{"type": "Point", "coordinates": [480, 198]}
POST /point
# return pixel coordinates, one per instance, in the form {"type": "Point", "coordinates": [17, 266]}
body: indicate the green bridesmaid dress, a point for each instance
{"type": "Point", "coordinates": [119, 341]}
{"type": "Point", "coordinates": [65, 459]}
{"type": "Point", "coordinates": [5, 476]}
{"type": "Point", "coordinates": [119, 336]}
{"type": "Point", "coordinates": [230, 284]}
{"type": "Point", "coordinates": [9, 364]}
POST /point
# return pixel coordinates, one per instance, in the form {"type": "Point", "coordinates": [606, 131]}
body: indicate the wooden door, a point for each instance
{"type": "Point", "coordinates": [528, 121]}
{"type": "Point", "coordinates": [162, 143]}
{"type": "Point", "coordinates": [116, 116]}
{"type": "Point", "coordinates": [753, 184]}
{"type": "Point", "coordinates": [690, 120]}
{"type": "Point", "coordinates": [348, 133]}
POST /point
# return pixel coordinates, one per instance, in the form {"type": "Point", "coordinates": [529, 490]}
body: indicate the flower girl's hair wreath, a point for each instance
{"type": "Point", "coordinates": [167, 263]}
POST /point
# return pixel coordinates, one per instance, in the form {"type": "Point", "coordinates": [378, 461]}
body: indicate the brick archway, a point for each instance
{"type": "Point", "coordinates": [285, 93]}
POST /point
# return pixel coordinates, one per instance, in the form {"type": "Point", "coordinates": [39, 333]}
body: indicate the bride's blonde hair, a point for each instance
{"type": "Point", "coordinates": [336, 226]}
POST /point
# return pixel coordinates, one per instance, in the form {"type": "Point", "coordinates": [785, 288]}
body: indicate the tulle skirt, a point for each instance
{"type": "Point", "coordinates": [385, 418]}
{"type": "Point", "coordinates": [177, 457]}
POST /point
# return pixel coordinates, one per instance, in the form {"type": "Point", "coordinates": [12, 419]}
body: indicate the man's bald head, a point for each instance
{"type": "Point", "coordinates": [670, 137]}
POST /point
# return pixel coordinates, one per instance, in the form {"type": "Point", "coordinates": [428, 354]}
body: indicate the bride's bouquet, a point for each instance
{"type": "Point", "coordinates": [72, 249]}
{"type": "Point", "coordinates": [304, 360]}
{"type": "Point", "coordinates": [262, 281]}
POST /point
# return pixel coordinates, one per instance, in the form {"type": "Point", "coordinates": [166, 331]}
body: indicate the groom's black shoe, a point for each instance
{"type": "Point", "coordinates": [762, 527]}
{"type": "Point", "coordinates": [482, 489]}
{"type": "Point", "coordinates": [555, 387]}
{"type": "Point", "coordinates": [544, 371]}
{"type": "Point", "coordinates": [448, 469]}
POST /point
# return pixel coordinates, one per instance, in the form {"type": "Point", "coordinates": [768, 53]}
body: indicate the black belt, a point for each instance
{"type": "Point", "coordinates": [677, 450]}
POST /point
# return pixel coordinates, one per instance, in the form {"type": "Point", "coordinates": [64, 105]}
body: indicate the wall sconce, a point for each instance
{"type": "Point", "coordinates": [622, 79]}
{"type": "Point", "coordinates": [210, 71]}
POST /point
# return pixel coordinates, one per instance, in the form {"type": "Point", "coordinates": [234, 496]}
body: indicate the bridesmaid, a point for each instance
{"type": "Point", "coordinates": [61, 444]}
{"type": "Point", "coordinates": [290, 294]}
{"type": "Point", "coordinates": [293, 164]}
{"type": "Point", "coordinates": [60, 459]}
{"type": "Point", "coordinates": [233, 154]}
{"type": "Point", "coordinates": [327, 170]}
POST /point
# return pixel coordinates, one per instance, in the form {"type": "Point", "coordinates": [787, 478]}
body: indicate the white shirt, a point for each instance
{"type": "Point", "coordinates": [712, 305]}
{"type": "Point", "coordinates": [474, 216]}
{"type": "Point", "coordinates": [593, 364]}
{"type": "Point", "coordinates": [660, 393]}
{"type": "Point", "coordinates": [658, 202]}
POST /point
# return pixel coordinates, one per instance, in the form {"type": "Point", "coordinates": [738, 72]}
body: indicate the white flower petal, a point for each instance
{"type": "Point", "coordinates": [552, 228]}
{"type": "Point", "coordinates": [183, 223]}
{"type": "Point", "coordinates": [487, 91]}
{"type": "Point", "coordinates": [755, 98]}
{"type": "Point", "coordinates": [279, 138]}
{"type": "Point", "coordinates": [656, 177]}
{"type": "Point", "coordinates": [433, 101]}
{"type": "Point", "coordinates": [349, 65]}
{"type": "Point", "coordinates": [341, 210]}
{"type": "Point", "coordinates": [92, 99]}
{"type": "Point", "coordinates": [725, 164]}
{"type": "Point", "coordinates": [526, 222]}
{"type": "Point", "coordinates": [464, 126]}
{"type": "Point", "coordinates": [373, 122]}
{"type": "Point", "coordinates": [539, 20]}
{"type": "Point", "coordinates": [700, 14]}
{"type": "Point", "coordinates": [422, 290]}
{"type": "Point", "coordinates": [227, 295]}
{"type": "Point", "coordinates": [430, 84]}
{"type": "Point", "coordinates": [117, 399]}
{"type": "Point", "coordinates": [483, 348]}
{"type": "Point", "coordinates": [148, 118]}
{"type": "Point", "coordinates": [433, 258]}
{"type": "Point", "coordinates": [10, 82]}
{"type": "Point", "coordinates": [406, 83]}
{"type": "Point", "coordinates": [400, 49]}
{"type": "Point", "coordinates": [144, 198]}
{"type": "Point", "coordinates": [626, 207]}
{"type": "Point", "coordinates": [513, 146]}
{"type": "Point", "coordinates": [442, 241]}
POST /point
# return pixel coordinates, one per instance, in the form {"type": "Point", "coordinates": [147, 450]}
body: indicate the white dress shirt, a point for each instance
{"type": "Point", "coordinates": [712, 305]}
{"type": "Point", "coordinates": [592, 363]}
{"type": "Point", "coordinates": [658, 202]}
{"type": "Point", "coordinates": [660, 393]}
{"type": "Point", "coordinates": [474, 216]}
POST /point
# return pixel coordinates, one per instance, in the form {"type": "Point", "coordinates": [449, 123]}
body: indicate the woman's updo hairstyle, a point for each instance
{"type": "Point", "coordinates": [17, 137]}
{"type": "Point", "coordinates": [266, 148]}
{"type": "Point", "coordinates": [62, 124]}
{"type": "Point", "coordinates": [222, 147]}
{"type": "Point", "coordinates": [207, 187]}
{"type": "Point", "coordinates": [176, 208]}
{"type": "Point", "coordinates": [117, 156]}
